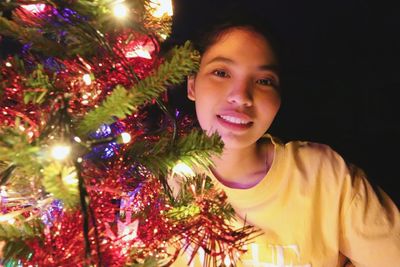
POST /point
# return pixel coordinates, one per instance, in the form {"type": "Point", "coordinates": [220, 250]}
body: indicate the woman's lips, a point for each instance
{"type": "Point", "coordinates": [235, 122]}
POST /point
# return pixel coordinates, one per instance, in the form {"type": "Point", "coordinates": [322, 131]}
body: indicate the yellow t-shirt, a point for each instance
{"type": "Point", "coordinates": [312, 207]}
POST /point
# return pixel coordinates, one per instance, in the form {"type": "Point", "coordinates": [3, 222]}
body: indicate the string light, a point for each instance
{"type": "Point", "coordinates": [183, 169]}
{"type": "Point", "coordinates": [87, 79]}
{"type": "Point", "coordinates": [120, 10]}
{"type": "Point", "coordinates": [163, 36]}
{"type": "Point", "coordinates": [126, 138]}
{"type": "Point", "coordinates": [70, 179]}
{"type": "Point", "coordinates": [60, 152]}
{"type": "Point", "coordinates": [161, 8]}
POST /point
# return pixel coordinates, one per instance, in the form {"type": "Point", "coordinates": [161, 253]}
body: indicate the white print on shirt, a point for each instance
{"type": "Point", "coordinates": [278, 259]}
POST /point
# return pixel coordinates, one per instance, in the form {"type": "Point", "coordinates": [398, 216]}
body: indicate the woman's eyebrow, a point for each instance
{"type": "Point", "coordinates": [270, 67]}
{"type": "Point", "coordinates": [267, 67]}
{"type": "Point", "coordinates": [221, 59]}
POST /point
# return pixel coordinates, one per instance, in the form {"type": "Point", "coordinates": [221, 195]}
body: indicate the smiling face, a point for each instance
{"type": "Point", "coordinates": [235, 89]}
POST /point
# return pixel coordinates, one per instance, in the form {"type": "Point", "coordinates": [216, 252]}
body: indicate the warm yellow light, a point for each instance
{"type": "Point", "coordinates": [161, 8]}
{"type": "Point", "coordinates": [183, 169]}
{"type": "Point", "coordinates": [8, 64]}
{"type": "Point", "coordinates": [60, 152]}
{"type": "Point", "coordinates": [163, 36]}
{"type": "Point", "coordinates": [126, 138]}
{"type": "Point", "coordinates": [8, 217]}
{"type": "Point", "coordinates": [120, 10]}
{"type": "Point", "coordinates": [4, 218]}
{"type": "Point", "coordinates": [87, 79]}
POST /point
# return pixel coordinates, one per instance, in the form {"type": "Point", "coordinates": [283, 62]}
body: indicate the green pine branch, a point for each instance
{"type": "Point", "coordinates": [21, 229]}
{"type": "Point", "coordinates": [16, 148]}
{"type": "Point", "coordinates": [39, 80]}
{"type": "Point", "coordinates": [62, 182]}
{"type": "Point", "coordinates": [194, 149]}
{"type": "Point", "coordinates": [14, 251]}
{"type": "Point", "coordinates": [183, 62]}
{"type": "Point", "coordinates": [115, 105]}
{"type": "Point", "coordinates": [93, 9]}
{"type": "Point", "coordinates": [123, 102]}
{"type": "Point", "coordinates": [79, 39]}
{"type": "Point", "coordinates": [186, 207]}
{"type": "Point", "coordinates": [153, 155]}
{"type": "Point", "coordinates": [32, 36]}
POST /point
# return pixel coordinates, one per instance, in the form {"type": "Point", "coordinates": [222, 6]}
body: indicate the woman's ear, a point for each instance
{"type": "Point", "coordinates": [190, 87]}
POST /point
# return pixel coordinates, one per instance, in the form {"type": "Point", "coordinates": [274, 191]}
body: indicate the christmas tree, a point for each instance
{"type": "Point", "coordinates": [89, 145]}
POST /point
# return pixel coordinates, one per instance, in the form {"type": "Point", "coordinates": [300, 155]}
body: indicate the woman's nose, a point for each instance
{"type": "Point", "coordinates": [240, 93]}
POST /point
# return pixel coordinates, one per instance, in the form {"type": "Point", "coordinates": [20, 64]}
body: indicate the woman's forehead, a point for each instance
{"type": "Point", "coordinates": [238, 43]}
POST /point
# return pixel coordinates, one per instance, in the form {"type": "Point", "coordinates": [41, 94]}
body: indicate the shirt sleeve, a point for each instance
{"type": "Point", "coordinates": [370, 224]}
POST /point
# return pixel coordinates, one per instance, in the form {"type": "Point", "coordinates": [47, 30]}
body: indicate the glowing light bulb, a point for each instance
{"type": "Point", "coordinates": [8, 218]}
{"type": "Point", "coordinates": [126, 138]}
{"type": "Point", "coordinates": [183, 169]}
{"type": "Point", "coordinates": [60, 152]}
{"type": "Point", "coordinates": [120, 10]}
{"type": "Point", "coordinates": [70, 179]}
{"type": "Point", "coordinates": [161, 7]}
{"type": "Point", "coordinates": [87, 79]}
{"type": "Point", "coordinates": [163, 36]}
{"type": "Point", "coordinates": [8, 64]}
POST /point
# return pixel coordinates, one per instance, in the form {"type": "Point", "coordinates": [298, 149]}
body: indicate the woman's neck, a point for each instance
{"type": "Point", "coordinates": [244, 167]}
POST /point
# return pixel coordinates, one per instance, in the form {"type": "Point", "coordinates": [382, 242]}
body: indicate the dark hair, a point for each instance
{"type": "Point", "coordinates": [214, 30]}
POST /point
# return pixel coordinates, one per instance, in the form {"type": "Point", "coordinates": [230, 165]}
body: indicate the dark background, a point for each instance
{"type": "Point", "coordinates": [341, 75]}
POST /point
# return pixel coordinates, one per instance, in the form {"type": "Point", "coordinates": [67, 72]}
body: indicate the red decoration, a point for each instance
{"type": "Point", "coordinates": [139, 51]}
{"type": "Point", "coordinates": [31, 14]}
{"type": "Point", "coordinates": [34, 8]}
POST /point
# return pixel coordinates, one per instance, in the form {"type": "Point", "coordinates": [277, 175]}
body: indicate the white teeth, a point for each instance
{"type": "Point", "coordinates": [233, 119]}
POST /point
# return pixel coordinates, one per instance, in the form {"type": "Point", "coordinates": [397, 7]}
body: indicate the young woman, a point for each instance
{"type": "Point", "coordinates": [313, 208]}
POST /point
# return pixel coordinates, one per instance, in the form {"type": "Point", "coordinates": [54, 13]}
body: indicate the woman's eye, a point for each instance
{"type": "Point", "coordinates": [267, 81]}
{"type": "Point", "coordinates": [221, 73]}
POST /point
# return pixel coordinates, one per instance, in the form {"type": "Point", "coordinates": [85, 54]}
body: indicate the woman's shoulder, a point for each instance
{"type": "Point", "coordinates": [311, 148]}
{"type": "Point", "coordinates": [308, 154]}
{"type": "Point", "coordinates": [304, 147]}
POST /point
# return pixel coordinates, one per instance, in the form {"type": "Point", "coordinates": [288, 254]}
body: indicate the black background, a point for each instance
{"type": "Point", "coordinates": [341, 75]}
